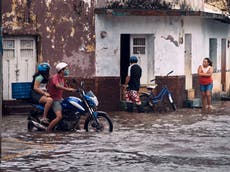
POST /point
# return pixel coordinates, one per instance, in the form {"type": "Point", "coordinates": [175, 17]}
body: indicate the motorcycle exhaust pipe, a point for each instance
{"type": "Point", "coordinates": [38, 125]}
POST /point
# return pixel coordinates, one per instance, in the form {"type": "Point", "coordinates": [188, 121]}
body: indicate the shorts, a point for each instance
{"type": "Point", "coordinates": [205, 88]}
{"type": "Point", "coordinates": [35, 96]}
{"type": "Point", "coordinates": [57, 105]}
{"type": "Point", "coordinates": [133, 96]}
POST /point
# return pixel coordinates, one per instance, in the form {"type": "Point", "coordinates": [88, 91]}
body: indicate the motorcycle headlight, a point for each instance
{"type": "Point", "coordinates": [92, 99]}
{"type": "Point", "coordinates": [95, 101]}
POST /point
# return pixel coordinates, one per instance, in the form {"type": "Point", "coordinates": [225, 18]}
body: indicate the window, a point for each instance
{"type": "Point", "coordinates": [9, 48]}
{"type": "Point", "coordinates": [26, 48]}
{"type": "Point", "coordinates": [213, 52]}
{"type": "Point", "coordinates": [139, 45]}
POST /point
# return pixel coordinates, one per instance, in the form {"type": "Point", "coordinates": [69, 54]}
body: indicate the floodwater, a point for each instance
{"type": "Point", "coordinates": [182, 141]}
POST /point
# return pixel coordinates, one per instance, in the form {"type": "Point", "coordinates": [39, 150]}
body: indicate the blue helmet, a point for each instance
{"type": "Point", "coordinates": [133, 59]}
{"type": "Point", "coordinates": [43, 67]}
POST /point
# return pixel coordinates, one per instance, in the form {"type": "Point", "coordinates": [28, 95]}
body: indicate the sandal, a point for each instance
{"type": "Point", "coordinates": [44, 120]}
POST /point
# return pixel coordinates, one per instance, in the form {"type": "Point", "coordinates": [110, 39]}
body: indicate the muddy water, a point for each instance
{"type": "Point", "coordinates": [183, 141]}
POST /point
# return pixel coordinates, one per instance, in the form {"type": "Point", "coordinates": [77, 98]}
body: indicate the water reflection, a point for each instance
{"type": "Point", "coordinates": [181, 141]}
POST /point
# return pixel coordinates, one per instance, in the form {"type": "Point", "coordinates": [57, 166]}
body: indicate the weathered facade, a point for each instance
{"type": "Point", "coordinates": [164, 40]}
{"type": "Point", "coordinates": [96, 43]}
{"type": "Point", "coordinates": [51, 31]}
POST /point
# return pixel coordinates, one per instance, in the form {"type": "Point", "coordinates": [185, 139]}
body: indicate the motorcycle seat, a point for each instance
{"type": "Point", "coordinates": [151, 87]}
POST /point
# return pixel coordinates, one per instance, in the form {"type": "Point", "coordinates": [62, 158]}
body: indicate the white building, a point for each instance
{"type": "Point", "coordinates": [164, 40]}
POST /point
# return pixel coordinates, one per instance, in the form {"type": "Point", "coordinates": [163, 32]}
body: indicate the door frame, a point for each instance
{"type": "Point", "coordinates": [188, 61]}
{"type": "Point", "coordinates": [223, 63]}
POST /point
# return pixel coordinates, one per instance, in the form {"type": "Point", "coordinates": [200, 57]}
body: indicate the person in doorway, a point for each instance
{"type": "Point", "coordinates": [39, 92]}
{"type": "Point", "coordinates": [132, 82]}
{"type": "Point", "coordinates": [56, 87]}
{"type": "Point", "coordinates": [206, 84]}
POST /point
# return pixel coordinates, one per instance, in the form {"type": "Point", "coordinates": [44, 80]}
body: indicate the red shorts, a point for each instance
{"type": "Point", "coordinates": [132, 96]}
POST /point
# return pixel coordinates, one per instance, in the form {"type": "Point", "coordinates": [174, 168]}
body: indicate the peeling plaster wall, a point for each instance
{"type": "Point", "coordinates": [205, 29]}
{"type": "Point", "coordinates": [169, 52]}
{"type": "Point", "coordinates": [64, 30]}
{"type": "Point", "coordinates": [165, 30]}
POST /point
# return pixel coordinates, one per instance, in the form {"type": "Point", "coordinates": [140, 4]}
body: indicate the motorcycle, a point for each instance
{"type": "Point", "coordinates": [72, 110]}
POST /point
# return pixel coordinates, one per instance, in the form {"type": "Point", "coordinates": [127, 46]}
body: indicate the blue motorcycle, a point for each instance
{"type": "Point", "coordinates": [72, 110]}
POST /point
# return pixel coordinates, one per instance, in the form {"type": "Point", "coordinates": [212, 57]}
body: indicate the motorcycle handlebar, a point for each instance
{"type": "Point", "coordinates": [169, 73]}
{"type": "Point", "coordinates": [166, 75]}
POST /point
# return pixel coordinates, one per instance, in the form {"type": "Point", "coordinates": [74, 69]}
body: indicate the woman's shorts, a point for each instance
{"type": "Point", "coordinates": [57, 105]}
{"type": "Point", "coordinates": [35, 96]}
{"type": "Point", "coordinates": [205, 88]}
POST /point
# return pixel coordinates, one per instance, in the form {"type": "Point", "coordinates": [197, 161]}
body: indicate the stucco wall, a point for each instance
{"type": "Point", "coordinates": [168, 54]}
{"type": "Point", "coordinates": [108, 49]}
{"type": "Point", "coordinates": [168, 47]}
{"type": "Point", "coordinates": [64, 30]}
{"type": "Point", "coordinates": [201, 31]}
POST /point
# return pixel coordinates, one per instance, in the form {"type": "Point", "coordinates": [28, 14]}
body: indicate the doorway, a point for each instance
{"type": "Point", "coordinates": [142, 46]}
{"type": "Point", "coordinates": [125, 54]}
{"type": "Point", "coordinates": [19, 61]}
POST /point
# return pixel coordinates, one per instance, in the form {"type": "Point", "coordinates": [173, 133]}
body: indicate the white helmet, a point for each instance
{"type": "Point", "coordinates": [61, 66]}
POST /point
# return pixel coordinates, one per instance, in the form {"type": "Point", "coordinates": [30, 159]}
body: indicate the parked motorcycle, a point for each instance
{"type": "Point", "coordinates": [72, 110]}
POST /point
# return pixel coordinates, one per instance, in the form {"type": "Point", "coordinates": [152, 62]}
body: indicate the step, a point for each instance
{"type": "Point", "coordinates": [16, 107]}
{"type": "Point", "coordinates": [194, 103]}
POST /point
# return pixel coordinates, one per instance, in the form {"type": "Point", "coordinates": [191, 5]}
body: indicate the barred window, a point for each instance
{"type": "Point", "coordinates": [139, 45]}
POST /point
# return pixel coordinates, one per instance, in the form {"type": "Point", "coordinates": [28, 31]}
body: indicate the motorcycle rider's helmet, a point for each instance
{"type": "Point", "coordinates": [43, 67]}
{"type": "Point", "coordinates": [61, 66]}
{"type": "Point", "coordinates": [133, 59]}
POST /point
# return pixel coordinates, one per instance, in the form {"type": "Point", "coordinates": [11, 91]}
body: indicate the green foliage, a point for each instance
{"type": "Point", "coordinates": [138, 4]}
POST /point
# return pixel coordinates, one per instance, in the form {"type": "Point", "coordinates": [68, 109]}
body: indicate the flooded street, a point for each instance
{"type": "Point", "coordinates": [182, 141]}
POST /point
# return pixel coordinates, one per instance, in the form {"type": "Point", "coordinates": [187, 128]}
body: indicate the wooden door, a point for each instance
{"type": "Point", "coordinates": [19, 61]}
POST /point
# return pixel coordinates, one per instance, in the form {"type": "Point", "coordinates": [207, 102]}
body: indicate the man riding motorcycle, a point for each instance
{"type": "Point", "coordinates": [56, 87]}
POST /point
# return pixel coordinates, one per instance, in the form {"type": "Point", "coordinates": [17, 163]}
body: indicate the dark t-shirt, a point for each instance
{"type": "Point", "coordinates": [135, 75]}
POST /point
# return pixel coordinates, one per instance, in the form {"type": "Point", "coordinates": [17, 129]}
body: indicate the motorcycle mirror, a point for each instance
{"type": "Point", "coordinates": [82, 84]}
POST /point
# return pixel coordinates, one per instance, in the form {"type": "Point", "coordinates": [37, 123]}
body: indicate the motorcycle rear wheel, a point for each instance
{"type": "Point", "coordinates": [105, 124]}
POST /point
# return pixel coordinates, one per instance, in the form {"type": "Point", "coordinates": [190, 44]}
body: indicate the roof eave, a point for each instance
{"type": "Point", "coordinates": [150, 12]}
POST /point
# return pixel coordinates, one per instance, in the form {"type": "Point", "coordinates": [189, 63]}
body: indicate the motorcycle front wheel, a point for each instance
{"type": "Point", "coordinates": [172, 102]}
{"type": "Point", "coordinates": [104, 124]}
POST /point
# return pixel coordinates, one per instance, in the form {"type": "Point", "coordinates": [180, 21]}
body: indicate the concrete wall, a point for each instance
{"type": "Point", "coordinates": [64, 30]}
{"type": "Point", "coordinates": [169, 50]}
{"type": "Point", "coordinates": [159, 26]}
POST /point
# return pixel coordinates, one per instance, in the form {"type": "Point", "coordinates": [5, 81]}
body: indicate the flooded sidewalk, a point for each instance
{"type": "Point", "coordinates": [182, 141]}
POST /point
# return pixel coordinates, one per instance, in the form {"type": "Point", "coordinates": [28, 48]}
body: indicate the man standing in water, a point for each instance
{"type": "Point", "coordinates": [133, 82]}
{"type": "Point", "coordinates": [206, 84]}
